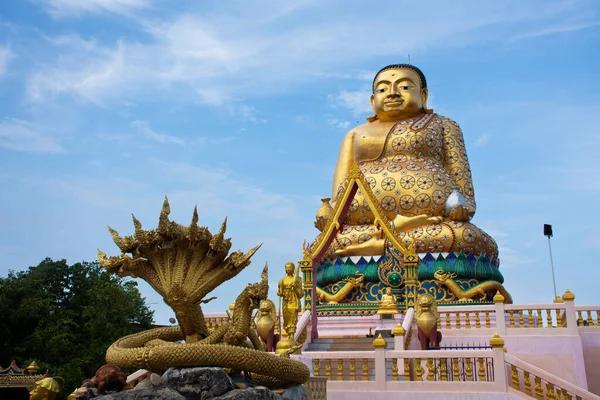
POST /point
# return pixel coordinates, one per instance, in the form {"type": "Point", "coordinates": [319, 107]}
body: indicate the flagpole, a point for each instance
{"type": "Point", "coordinates": [548, 233]}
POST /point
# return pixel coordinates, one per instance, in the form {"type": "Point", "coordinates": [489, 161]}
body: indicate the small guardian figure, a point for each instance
{"type": "Point", "coordinates": [427, 315]}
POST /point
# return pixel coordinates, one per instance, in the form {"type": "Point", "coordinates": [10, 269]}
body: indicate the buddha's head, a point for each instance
{"type": "Point", "coordinates": [399, 92]}
{"type": "Point", "coordinates": [46, 389]}
{"type": "Point", "coordinates": [289, 268]}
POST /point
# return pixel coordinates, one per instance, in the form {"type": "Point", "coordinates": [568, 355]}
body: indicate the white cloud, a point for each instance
{"type": "Point", "coordinates": [235, 54]}
{"type": "Point", "coordinates": [94, 79]}
{"type": "Point", "coordinates": [358, 102]}
{"type": "Point", "coordinates": [60, 8]}
{"type": "Point", "coordinates": [5, 56]}
{"type": "Point", "coordinates": [147, 132]}
{"type": "Point", "coordinates": [21, 136]}
{"type": "Point", "coordinates": [338, 123]}
{"type": "Point", "coordinates": [483, 140]}
{"type": "Point", "coordinates": [555, 30]}
{"type": "Point", "coordinates": [246, 113]}
{"type": "Point", "coordinates": [71, 40]}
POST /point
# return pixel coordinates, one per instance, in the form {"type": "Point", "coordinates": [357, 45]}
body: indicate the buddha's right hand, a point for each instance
{"type": "Point", "coordinates": [459, 214]}
{"type": "Point", "coordinates": [320, 223]}
{"type": "Point", "coordinates": [402, 223]}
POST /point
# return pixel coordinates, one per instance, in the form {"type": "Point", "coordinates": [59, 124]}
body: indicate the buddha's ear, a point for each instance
{"type": "Point", "coordinates": [424, 97]}
{"type": "Point", "coordinates": [374, 116]}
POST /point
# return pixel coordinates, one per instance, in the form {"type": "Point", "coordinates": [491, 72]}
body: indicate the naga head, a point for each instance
{"type": "Point", "coordinates": [259, 291]}
{"type": "Point", "coordinates": [442, 276]}
{"type": "Point", "coordinates": [358, 280]}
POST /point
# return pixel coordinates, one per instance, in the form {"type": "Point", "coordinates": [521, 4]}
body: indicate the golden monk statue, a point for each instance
{"type": "Point", "coordinates": [290, 290]}
{"type": "Point", "coordinates": [46, 389]}
{"type": "Point", "coordinates": [416, 165]}
{"type": "Point", "coordinates": [388, 303]}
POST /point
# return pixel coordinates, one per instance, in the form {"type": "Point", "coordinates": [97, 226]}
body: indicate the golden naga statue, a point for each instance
{"type": "Point", "coordinates": [416, 165]}
{"type": "Point", "coordinates": [184, 264]}
{"type": "Point", "coordinates": [290, 291]}
{"type": "Point", "coordinates": [480, 290]}
{"type": "Point", "coordinates": [388, 303]}
{"type": "Point", "coordinates": [46, 389]}
{"type": "Point", "coordinates": [340, 295]}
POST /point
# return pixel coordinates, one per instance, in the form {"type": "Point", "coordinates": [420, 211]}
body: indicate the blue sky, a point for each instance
{"type": "Point", "coordinates": [106, 106]}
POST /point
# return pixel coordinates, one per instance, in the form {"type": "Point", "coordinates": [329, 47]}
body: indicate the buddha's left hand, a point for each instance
{"type": "Point", "coordinates": [459, 214]}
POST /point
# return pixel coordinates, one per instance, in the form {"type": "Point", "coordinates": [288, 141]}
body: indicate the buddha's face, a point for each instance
{"type": "Point", "coordinates": [289, 268]}
{"type": "Point", "coordinates": [398, 95]}
{"type": "Point", "coordinates": [39, 393]}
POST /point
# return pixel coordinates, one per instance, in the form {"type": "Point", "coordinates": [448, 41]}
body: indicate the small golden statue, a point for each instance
{"type": "Point", "coordinates": [427, 316]}
{"type": "Point", "coordinates": [46, 389]}
{"type": "Point", "coordinates": [290, 290]}
{"type": "Point", "coordinates": [265, 323]}
{"type": "Point", "coordinates": [388, 303]}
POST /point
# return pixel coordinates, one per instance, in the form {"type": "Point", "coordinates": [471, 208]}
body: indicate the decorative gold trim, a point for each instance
{"type": "Point", "coordinates": [332, 226]}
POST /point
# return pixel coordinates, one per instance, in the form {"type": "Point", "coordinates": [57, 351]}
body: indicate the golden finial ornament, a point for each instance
{"type": "Point", "coordinates": [568, 295]}
{"type": "Point", "coordinates": [398, 330]}
{"type": "Point", "coordinates": [33, 368]}
{"type": "Point", "coordinates": [380, 342]}
{"type": "Point", "coordinates": [498, 298]}
{"type": "Point", "coordinates": [496, 341]}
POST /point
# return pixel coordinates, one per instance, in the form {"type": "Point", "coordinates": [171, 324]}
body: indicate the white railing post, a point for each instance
{"type": "Point", "coordinates": [399, 339]}
{"type": "Point", "coordinates": [500, 382]}
{"type": "Point", "coordinates": [380, 368]}
{"type": "Point", "coordinates": [569, 301]}
{"type": "Point", "coordinates": [500, 318]}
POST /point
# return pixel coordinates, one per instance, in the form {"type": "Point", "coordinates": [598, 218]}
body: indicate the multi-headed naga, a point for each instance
{"type": "Point", "coordinates": [184, 264]}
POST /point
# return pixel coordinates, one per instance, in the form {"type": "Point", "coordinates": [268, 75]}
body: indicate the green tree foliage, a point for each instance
{"type": "Point", "coordinates": [66, 316]}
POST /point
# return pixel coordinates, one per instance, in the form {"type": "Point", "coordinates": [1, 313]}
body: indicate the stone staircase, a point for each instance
{"type": "Point", "coordinates": [346, 344]}
{"type": "Point", "coordinates": [349, 344]}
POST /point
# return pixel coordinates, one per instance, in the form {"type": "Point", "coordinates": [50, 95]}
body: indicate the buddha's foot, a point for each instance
{"type": "Point", "coordinates": [431, 236]}
{"type": "Point", "coordinates": [373, 246]}
{"type": "Point", "coordinates": [403, 224]}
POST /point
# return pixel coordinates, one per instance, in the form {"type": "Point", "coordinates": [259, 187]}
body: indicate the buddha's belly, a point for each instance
{"type": "Point", "coordinates": [402, 186]}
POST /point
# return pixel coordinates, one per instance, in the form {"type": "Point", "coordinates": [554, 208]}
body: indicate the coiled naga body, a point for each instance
{"type": "Point", "coordinates": [184, 264]}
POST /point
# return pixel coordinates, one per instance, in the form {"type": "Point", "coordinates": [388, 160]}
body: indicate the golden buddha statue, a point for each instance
{"type": "Point", "coordinates": [290, 290]}
{"type": "Point", "coordinates": [388, 303]}
{"type": "Point", "coordinates": [416, 165]}
{"type": "Point", "coordinates": [46, 389]}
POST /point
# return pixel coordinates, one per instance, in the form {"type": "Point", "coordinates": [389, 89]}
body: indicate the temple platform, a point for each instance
{"type": "Point", "coordinates": [543, 351]}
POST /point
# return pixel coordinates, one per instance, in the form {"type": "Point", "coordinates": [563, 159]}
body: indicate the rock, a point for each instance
{"type": "Point", "coordinates": [198, 383]}
{"type": "Point", "coordinates": [155, 379]}
{"type": "Point", "coordinates": [144, 394]}
{"type": "Point", "coordinates": [241, 382]}
{"type": "Point", "coordinates": [202, 383]}
{"type": "Point", "coordinates": [296, 393]}
{"type": "Point", "coordinates": [86, 393]}
{"type": "Point", "coordinates": [143, 385]}
{"type": "Point", "coordinates": [254, 393]}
